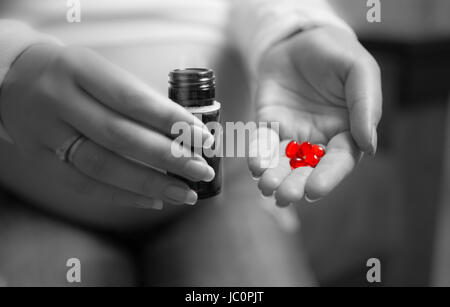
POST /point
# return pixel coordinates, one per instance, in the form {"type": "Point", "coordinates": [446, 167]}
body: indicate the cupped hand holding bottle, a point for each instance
{"type": "Point", "coordinates": [52, 94]}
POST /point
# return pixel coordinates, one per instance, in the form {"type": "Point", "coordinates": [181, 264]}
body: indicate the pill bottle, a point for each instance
{"type": "Point", "coordinates": [194, 89]}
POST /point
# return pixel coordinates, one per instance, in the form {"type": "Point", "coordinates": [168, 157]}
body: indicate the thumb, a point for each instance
{"type": "Point", "coordinates": [364, 100]}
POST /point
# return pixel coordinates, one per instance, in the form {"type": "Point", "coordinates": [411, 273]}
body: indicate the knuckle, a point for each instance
{"type": "Point", "coordinates": [67, 58]}
{"type": "Point", "coordinates": [71, 58]}
{"type": "Point", "coordinates": [74, 53]}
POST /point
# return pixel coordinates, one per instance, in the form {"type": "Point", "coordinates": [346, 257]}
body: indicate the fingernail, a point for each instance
{"type": "Point", "coordinates": [374, 141]}
{"type": "Point", "coordinates": [311, 200]}
{"type": "Point", "coordinates": [199, 170]}
{"type": "Point", "coordinates": [180, 194]}
{"type": "Point", "coordinates": [266, 197]}
{"type": "Point", "coordinates": [256, 178]}
{"type": "Point", "coordinates": [202, 137]}
{"type": "Point", "coordinates": [282, 205]}
{"type": "Point", "coordinates": [148, 203]}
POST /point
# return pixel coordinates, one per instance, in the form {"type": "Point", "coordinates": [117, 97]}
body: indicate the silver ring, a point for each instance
{"type": "Point", "coordinates": [74, 148]}
{"type": "Point", "coordinates": [66, 152]}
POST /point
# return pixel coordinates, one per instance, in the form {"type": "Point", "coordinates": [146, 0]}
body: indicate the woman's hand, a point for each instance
{"type": "Point", "coordinates": [52, 94]}
{"type": "Point", "coordinates": [322, 86]}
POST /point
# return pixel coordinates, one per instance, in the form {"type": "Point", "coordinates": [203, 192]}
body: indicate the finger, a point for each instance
{"type": "Point", "coordinates": [80, 184]}
{"type": "Point", "coordinates": [340, 159]}
{"type": "Point", "coordinates": [364, 98]}
{"type": "Point", "coordinates": [292, 189]}
{"type": "Point", "coordinates": [273, 177]}
{"type": "Point", "coordinates": [109, 168]}
{"type": "Point", "coordinates": [128, 95]}
{"type": "Point", "coordinates": [130, 139]}
{"type": "Point", "coordinates": [264, 147]}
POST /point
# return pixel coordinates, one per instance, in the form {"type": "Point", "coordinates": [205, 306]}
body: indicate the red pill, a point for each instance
{"type": "Point", "coordinates": [296, 163]}
{"type": "Point", "coordinates": [318, 150]}
{"type": "Point", "coordinates": [292, 149]}
{"type": "Point", "coordinates": [304, 149]}
{"type": "Point", "coordinates": [311, 160]}
{"type": "Point", "coordinates": [304, 154]}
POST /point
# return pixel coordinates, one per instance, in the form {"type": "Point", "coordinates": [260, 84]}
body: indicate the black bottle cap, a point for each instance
{"type": "Point", "coordinates": [192, 87]}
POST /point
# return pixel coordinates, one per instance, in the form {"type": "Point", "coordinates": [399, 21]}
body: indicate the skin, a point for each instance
{"type": "Point", "coordinates": [322, 86]}
{"type": "Point", "coordinates": [41, 103]}
{"type": "Point", "coordinates": [53, 93]}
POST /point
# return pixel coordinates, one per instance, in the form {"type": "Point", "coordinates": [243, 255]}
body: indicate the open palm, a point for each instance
{"type": "Point", "coordinates": [322, 86]}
